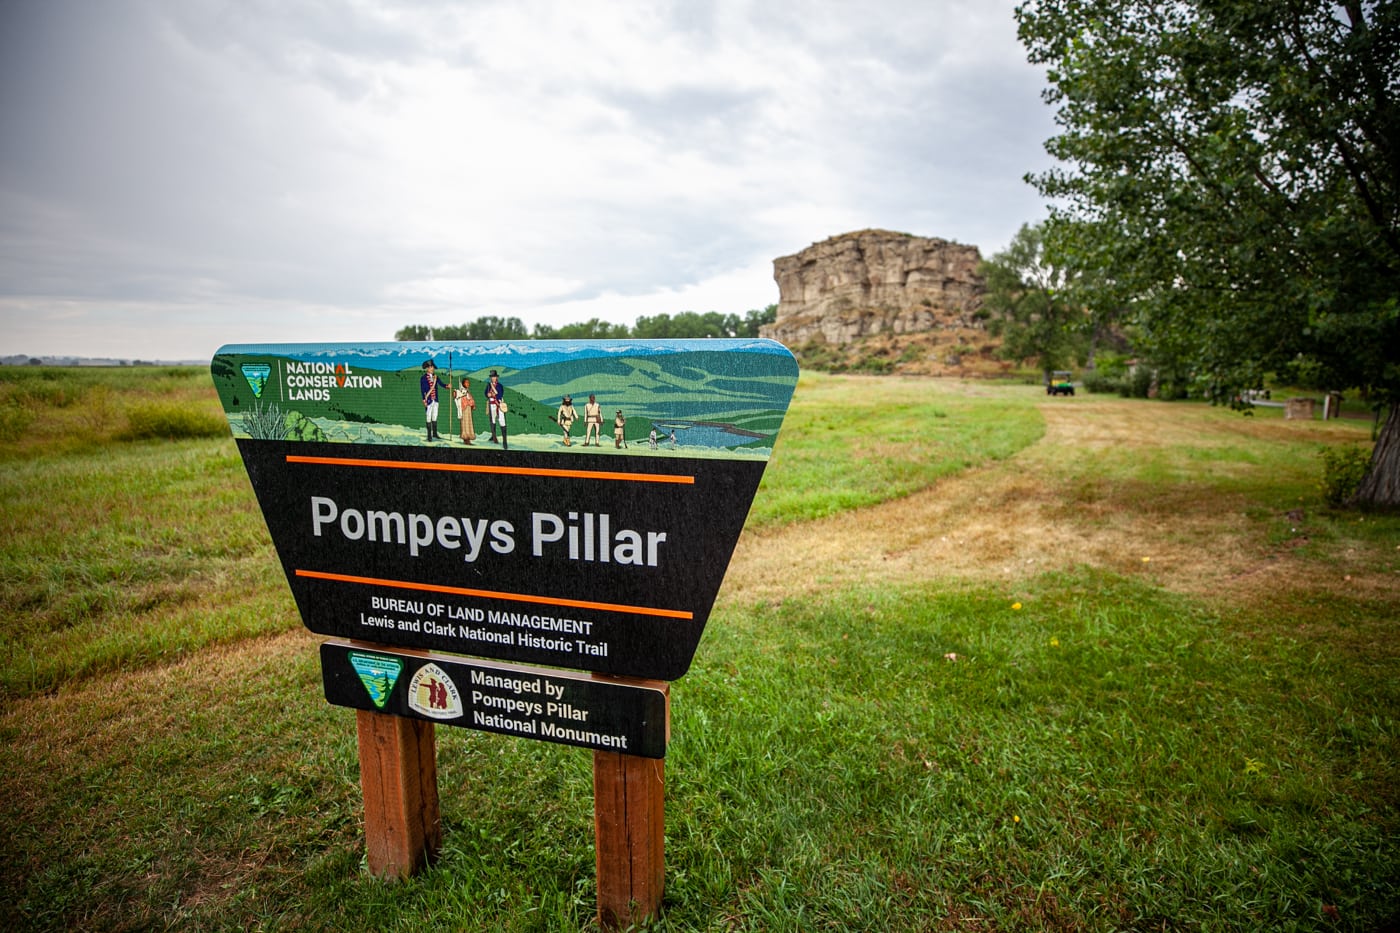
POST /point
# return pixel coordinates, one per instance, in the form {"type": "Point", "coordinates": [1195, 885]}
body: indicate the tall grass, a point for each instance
{"type": "Point", "coordinates": [171, 422]}
{"type": "Point", "coordinates": [46, 411]}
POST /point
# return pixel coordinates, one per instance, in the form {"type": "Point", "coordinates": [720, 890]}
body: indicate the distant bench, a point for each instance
{"type": "Point", "coordinates": [1301, 408]}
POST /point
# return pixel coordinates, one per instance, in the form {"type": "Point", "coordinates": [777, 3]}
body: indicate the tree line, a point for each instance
{"type": "Point", "coordinates": [686, 324]}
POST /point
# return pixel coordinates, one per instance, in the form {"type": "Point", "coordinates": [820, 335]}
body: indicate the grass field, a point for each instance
{"type": "Point", "coordinates": [984, 660]}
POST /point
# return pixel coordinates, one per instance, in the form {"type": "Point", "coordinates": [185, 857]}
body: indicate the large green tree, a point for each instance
{"type": "Point", "coordinates": [1030, 304]}
{"type": "Point", "coordinates": [1232, 167]}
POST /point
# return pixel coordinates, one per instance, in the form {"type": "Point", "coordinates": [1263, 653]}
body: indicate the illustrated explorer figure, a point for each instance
{"type": "Point", "coordinates": [495, 405]}
{"type": "Point", "coordinates": [593, 422]}
{"type": "Point", "coordinates": [653, 437]}
{"type": "Point", "coordinates": [567, 416]}
{"type": "Point", "coordinates": [618, 424]}
{"type": "Point", "coordinates": [428, 386]}
{"type": "Point", "coordinates": [466, 407]}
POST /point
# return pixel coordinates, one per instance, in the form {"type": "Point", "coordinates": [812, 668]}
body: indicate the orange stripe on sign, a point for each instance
{"type": "Point", "coordinates": [483, 468]}
{"type": "Point", "coordinates": [490, 594]}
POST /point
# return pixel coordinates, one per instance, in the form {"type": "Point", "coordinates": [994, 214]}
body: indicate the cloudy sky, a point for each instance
{"type": "Point", "coordinates": [182, 174]}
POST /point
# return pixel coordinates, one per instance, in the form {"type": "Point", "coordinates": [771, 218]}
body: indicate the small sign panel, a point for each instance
{"type": "Point", "coordinates": [549, 705]}
{"type": "Point", "coordinates": [567, 504]}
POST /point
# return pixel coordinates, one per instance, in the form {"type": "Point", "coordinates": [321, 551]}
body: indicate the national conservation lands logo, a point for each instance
{"type": "Point", "coordinates": [432, 693]}
{"type": "Point", "coordinates": [310, 380]}
{"type": "Point", "coordinates": [314, 380]}
{"type": "Point", "coordinates": [378, 673]}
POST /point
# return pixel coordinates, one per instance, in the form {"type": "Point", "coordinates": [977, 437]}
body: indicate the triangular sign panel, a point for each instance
{"type": "Point", "coordinates": [572, 504]}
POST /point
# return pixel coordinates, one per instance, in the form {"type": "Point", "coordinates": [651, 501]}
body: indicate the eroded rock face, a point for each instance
{"type": "Point", "coordinates": [872, 282]}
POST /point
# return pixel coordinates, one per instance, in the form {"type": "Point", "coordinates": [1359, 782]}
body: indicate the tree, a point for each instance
{"type": "Point", "coordinates": [754, 319]}
{"type": "Point", "coordinates": [1233, 168]}
{"type": "Point", "coordinates": [592, 329]}
{"type": "Point", "coordinates": [660, 326]}
{"type": "Point", "coordinates": [1030, 306]}
{"type": "Point", "coordinates": [487, 327]}
{"type": "Point", "coordinates": [686, 324]}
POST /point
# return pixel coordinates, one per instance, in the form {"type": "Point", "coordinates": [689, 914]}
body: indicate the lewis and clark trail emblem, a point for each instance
{"type": "Point", "coordinates": [432, 693]}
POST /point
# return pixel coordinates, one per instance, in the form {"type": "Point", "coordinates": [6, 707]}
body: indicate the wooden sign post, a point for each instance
{"type": "Point", "coordinates": [629, 815]}
{"type": "Point", "coordinates": [544, 572]}
{"type": "Point", "coordinates": [398, 777]}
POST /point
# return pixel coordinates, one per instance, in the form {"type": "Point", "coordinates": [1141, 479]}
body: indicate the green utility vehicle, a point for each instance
{"type": "Point", "coordinates": [1061, 383]}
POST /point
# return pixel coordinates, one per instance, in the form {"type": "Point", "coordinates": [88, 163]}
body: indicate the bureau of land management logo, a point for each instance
{"type": "Point", "coordinates": [256, 374]}
{"type": "Point", "coordinates": [378, 673]}
{"type": "Point", "coordinates": [432, 693]}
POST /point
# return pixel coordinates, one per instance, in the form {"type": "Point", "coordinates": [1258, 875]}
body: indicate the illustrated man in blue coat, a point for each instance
{"type": "Point", "coordinates": [428, 386]}
{"type": "Point", "coordinates": [496, 406]}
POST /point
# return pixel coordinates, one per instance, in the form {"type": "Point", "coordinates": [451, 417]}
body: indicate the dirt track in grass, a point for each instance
{"type": "Point", "coordinates": [1109, 486]}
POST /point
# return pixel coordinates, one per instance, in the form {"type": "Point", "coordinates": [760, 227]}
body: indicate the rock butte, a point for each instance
{"type": "Point", "coordinates": [875, 282]}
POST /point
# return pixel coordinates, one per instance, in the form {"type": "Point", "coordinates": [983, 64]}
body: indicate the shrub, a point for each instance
{"type": "Point", "coordinates": [818, 354]}
{"type": "Point", "coordinates": [98, 410]}
{"type": "Point", "coordinates": [172, 422]}
{"type": "Point", "coordinates": [1099, 382]}
{"type": "Point", "coordinates": [875, 365]}
{"type": "Point", "coordinates": [44, 392]}
{"type": "Point", "coordinates": [1138, 383]}
{"type": "Point", "coordinates": [1172, 388]}
{"type": "Point", "coordinates": [15, 419]}
{"type": "Point", "coordinates": [1343, 468]}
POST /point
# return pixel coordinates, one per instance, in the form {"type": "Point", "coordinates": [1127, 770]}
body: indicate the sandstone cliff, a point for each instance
{"type": "Point", "coordinates": [875, 282]}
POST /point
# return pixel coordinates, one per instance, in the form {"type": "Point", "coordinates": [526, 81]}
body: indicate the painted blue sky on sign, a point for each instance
{"type": "Point", "coordinates": [517, 354]}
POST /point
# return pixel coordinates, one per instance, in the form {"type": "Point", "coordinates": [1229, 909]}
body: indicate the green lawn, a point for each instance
{"type": "Point", "coordinates": [1091, 745]}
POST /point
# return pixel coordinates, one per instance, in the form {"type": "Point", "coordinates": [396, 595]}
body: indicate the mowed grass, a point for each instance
{"type": "Point", "coordinates": [965, 741]}
{"type": "Point", "coordinates": [861, 440]}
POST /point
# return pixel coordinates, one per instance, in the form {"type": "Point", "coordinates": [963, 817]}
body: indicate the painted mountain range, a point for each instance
{"type": "Point", "coordinates": [718, 397]}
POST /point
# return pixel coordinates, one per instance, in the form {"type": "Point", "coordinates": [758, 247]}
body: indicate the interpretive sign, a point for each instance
{"type": "Point", "coordinates": [567, 504]}
{"type": "Point", "coordinates": [533, 703]}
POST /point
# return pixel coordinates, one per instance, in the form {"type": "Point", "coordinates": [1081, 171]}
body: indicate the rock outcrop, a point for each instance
{"type": "Point", "coordinates": [873, 282]}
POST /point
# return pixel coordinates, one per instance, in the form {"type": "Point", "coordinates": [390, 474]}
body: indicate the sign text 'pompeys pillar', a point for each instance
{"type": "Point", "coordinates": [587, 524]}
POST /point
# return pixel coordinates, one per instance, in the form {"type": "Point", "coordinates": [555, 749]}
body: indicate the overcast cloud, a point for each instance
{"type": "Point", "coordinates": [179, 175]}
